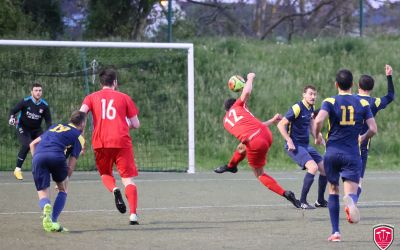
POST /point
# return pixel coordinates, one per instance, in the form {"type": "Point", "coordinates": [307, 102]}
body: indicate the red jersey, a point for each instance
{"type": "Point", "coordinates": [110, 109]}
{"type": "Point", "coordinates": [240, 122]}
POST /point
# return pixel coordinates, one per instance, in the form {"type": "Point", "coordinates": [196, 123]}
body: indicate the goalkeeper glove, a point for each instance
{"type": "Point", "coordinates": [11, 121]}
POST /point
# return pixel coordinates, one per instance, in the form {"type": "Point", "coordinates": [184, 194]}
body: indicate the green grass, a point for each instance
{"type": "Point", "coordinates": [156, 80]}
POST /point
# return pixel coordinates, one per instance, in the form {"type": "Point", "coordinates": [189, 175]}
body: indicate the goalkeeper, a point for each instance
{"type": "Point", "coordinates": [32, 110]}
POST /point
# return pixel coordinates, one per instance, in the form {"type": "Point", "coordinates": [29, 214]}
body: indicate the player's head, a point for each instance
{"type": "Point", "coordinates": [78, 118]}
{"type": "Point", "coordinates": [366, 82]}
{"type": "Point", "coordinates": [344, 79]}
{"type": "Point", "coordinates": [228, 103]}
{"type": "Point", "coordinates": [310, 94]}
{"type": "Point", "coordinates": [108, 77]}
{"type": "Point", "coordinates": [36, 90]}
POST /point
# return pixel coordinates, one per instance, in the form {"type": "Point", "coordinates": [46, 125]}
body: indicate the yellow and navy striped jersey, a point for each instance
{"type": "Point", "coordinates": [299, 117]}
{"type": "Point", "coordinates": [60, 137]}
{"type": "Point", "coordinates": [347, 114]}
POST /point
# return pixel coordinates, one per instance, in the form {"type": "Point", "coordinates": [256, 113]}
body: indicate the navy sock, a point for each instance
{"type": "Point", "coordinates": [59, 204]}
{"type": "Point", "coordinates": [43, 202]}
{"type": "Point", "coordinates": [322, 181]}
{"type": "Point", "coordinates": [334, 207]}
{"type": "Point", "coordinates": [354, 197]}
{"type": "Point", "coordinates": [359, 190]}
{"type": "Point", "coordinates": [308, 181]}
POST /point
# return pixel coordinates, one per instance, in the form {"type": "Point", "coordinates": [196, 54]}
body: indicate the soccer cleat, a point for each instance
{"type": "Point", "coordinates": [47, 222]}
{"type": "Point", "coordinates": [336, 237]}
{"type": "Point", "coordinates": [352, 212]}
{"type": "Point", "coordinates": [119, 202]}
{"type": "Point", "coordinates": [18, 175]}
{"type": "Point", "coordinates": [56, 227]}
{"type": "Point", "coordinates": [133, 219]}
{"type": "Point", "coordinates": [305, 205]}
{"type": "Point", "coordinates": [225, 168]}
{"type": "Point", "coordinates": [321, 204]}
{"type": "Point", "coordinates": [289, 195]}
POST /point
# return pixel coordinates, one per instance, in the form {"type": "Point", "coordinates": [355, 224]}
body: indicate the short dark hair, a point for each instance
{"type": "Point", "coordinates": [228, 103]}
{"type": "Point", "coordinates": [366, 82]}
{"type": "Point", "coordinates": [344, 79]}
{"type": "Point", "coordinates": [77, 117]}
{"type": "Point", "coordinates": [36, 85]}
{"type": "Point", "coordinates": [309, 87]}
{"type": "Point", "coordinates": [107, 77]}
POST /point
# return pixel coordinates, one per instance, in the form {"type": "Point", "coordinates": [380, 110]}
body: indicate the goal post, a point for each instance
{"type": "Point", "coordinates": [126, 45]}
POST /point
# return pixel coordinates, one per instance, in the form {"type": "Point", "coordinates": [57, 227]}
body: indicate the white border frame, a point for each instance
{"type": "Point", "coordinates": [190, 58]}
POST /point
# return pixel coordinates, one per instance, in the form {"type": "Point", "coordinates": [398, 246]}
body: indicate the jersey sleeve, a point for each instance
{"type": "Point", "coordinates": [88, 102]}
{"type": "Point", "coordinates": [47, 117]}
{"type": "Point", "coordinates": [367, 109]}
{"type": "Point", "coordinates": [132, 110]}
{"type": "Point", "coordinates": [77, 147]}
{"type": "Point", "coordinates": [293, 113]}
{"type": "Point", "coordinates": [327, 104]}
{"type": "Point", "coordinates": [17, 107]}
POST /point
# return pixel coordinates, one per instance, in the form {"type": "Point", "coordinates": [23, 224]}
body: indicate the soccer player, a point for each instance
{"type": "Point", "coordinates": [32, 110]}
{"type": "Point", "coordinates": [256, 136]}
{"type": "Point", "coordinates": [295, 129]}
{"type": "Point", "coordinates": [346, 114]}
{"type": "Point", "coordinates": [114, 113]}
{"type": "Point", "coordinates": [49, 159]}
{"type": "Point", "coordinates": [365, 86]}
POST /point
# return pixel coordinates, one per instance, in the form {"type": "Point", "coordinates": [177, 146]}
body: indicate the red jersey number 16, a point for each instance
{"type": "Point", "coordinates": [107, 110]}
{"type": "Point", "coordinates": [232, 113]}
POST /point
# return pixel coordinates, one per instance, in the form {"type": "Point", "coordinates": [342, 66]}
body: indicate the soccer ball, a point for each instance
{"type": "Point", "coordinates": [236, 83]}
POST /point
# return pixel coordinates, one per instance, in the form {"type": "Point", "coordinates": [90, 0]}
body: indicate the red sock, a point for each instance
{"type": "Point", "coordinates": [131, 195]}
{"type": "Point", "coordinates": [271, 183]}
{"type": "Point", "coordinates": [236, 158]}
{"type": "Point", "coordinates": [108, 182]}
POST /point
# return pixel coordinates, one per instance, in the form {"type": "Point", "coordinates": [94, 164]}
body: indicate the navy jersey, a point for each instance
{"type": "Point", "coordinates": [32, 113]}
{"type": "Point", "coordinates": [347, 114]}
{"type": "Point", "coordinates": [59, 138]}
{"type": "Point", "coordinates": [299, 117]}
{"type": "Point", "coordinates": [377, 104]}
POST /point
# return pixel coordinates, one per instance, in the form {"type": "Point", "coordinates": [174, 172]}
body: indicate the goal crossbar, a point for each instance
{"type": "Point", "coordinates": [190, 72]}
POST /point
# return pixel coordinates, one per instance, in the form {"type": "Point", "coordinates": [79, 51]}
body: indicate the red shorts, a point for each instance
{"type": "Point", "coordinates": [257, 148]}
{"type": "Point", "coordinates": [122, 157]}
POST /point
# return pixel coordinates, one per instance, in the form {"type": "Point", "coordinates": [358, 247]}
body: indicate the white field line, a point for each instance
{"type": "Point", "coordinates": [362, 204]}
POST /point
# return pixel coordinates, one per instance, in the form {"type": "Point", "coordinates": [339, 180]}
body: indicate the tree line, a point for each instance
{"type": "Point", "coordinates": [258, 19]}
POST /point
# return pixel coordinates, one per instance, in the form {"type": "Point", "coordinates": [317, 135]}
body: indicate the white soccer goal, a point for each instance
{"type": "Point", "coordinates": [129, 45]}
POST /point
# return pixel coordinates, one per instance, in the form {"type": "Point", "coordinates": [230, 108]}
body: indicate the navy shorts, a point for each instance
{"type": "Point", "coordinates": [303, 154]}
{"type": "Point", "coordinates": [345, 165]}
{"type": "Point", "coordinates": [48, 163]}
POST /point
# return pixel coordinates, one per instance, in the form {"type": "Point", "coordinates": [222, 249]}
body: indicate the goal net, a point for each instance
{"type": "Point", "coordinates": [159, 77]}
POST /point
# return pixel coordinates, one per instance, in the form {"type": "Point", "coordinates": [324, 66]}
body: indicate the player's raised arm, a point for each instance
{"type": "Point", "coordinates": [318, 123]}
{"type": "Point", "coordinates": [248, 87]}
{"type": "Point", "coordinates": [390, 95]}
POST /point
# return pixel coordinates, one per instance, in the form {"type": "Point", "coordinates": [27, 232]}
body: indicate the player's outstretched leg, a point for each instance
{"type": "Point", "coordinates": [237, 157]}
{"type": "Point", "coordinates": [289, 195]}
{"type": "Point", "coordinates": [225, 168]}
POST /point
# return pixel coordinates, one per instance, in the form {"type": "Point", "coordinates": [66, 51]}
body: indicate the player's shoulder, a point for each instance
{"type": "Point", "coordinates": [330, 100]}
{"type": "Point", "coordinates": [44, 102]}
{"type": "Point", "coordinates": [296, 108]}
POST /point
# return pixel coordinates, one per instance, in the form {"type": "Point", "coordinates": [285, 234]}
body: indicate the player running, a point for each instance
{"type": "Point", "coordinates": [32, 110]}
{"type": "Point", "coordinates": [256, 137]}
{"type": "Point", "coordinates": [114, 113]}
{"type": "Point", "coordinates": [295, 129]}
{"type": "Point", "coordinates": [49, 158]}
{"type": "Point", "coordinates": [365, 86]}
{"type": "Point", "coordinates": [346, 114]}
